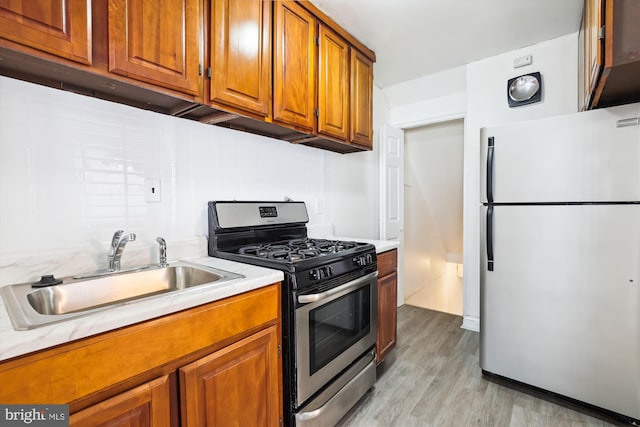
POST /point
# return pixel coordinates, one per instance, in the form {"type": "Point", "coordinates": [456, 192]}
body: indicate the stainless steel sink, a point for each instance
{"type": "Point", "coordinates": [30, 308]}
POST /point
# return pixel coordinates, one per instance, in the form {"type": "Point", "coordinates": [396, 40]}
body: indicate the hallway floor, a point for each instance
{"type": "Point", "coordinates": [442, 294]}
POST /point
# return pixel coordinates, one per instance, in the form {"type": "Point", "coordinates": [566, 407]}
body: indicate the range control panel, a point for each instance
{"type": "Point", "coordinates": [268, 212]}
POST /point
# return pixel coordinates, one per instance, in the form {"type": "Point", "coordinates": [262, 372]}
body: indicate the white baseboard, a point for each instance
{"type": "Point", "coordinates": [471, 323]}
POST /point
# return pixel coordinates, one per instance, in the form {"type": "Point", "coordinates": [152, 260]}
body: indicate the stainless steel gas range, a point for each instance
{"type": "Point", "coordinates": [329, 301]}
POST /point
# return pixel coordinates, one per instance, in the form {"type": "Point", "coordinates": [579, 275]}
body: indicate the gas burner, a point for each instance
{"type": "Point", "coordinates": [302, 243]}
{"type": "Point", "coordinates": [322, 246]}
{"type": "Point", "coordinates": [296, 249]}
{"type": "Point", "coordinates": [266, 251]}
{"type": "Point", "coordinates": [308, 253]}
{"type": "Point", "coordinates": [281, 252]}
{"type": "Point", "coordinates": [260, 251]}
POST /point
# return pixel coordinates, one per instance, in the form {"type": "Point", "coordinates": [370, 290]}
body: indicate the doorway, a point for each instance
{"type": "Point", "coordinates": [433, 194]}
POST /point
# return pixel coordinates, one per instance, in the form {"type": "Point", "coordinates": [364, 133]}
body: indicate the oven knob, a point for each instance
{"type": "Point", "coordinates": [360, 261]}
{"type": "Point", "coordinates": [328, 271]}
{"type": "Point", "coordinates": [316, 274]}
{"type": "Point", "coordinates": [369, 259]}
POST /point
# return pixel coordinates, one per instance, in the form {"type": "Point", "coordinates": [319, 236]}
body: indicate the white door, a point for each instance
{"type": "Point", "coordinates": [391, 182]}
{"type": "Point", "coordinates": [392, 193]}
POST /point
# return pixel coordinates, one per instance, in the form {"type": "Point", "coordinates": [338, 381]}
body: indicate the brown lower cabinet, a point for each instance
{"type": "Point", "coordinates": [146, 405]}
{"type": "Point", "coordinates": [387, 303]}
{"type": "Point", "coordinates": [215, 364]}
{"type": "Point", "coordinates": [237, 385]}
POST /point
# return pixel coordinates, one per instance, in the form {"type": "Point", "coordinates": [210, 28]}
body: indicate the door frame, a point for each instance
{"type": "Point", "coordinates": [457, 112]}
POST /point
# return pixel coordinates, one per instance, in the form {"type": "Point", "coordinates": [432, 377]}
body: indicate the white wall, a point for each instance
{"type": "Point", "coordinates": [352, 183]}
{"type": "Point", "coordinates": [557, 61]}
{"type": "Point", "coordinates": [433, 86]}
{"type": "Point", "coordinates": [435, 98]}
{"type": "Point", "coordinates": [72, 171]}
{"type": "Point", "coordinates": [484, 103]}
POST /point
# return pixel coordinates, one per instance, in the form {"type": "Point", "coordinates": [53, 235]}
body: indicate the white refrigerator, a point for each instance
{"type": "Point", "coordinates": [560, 256]}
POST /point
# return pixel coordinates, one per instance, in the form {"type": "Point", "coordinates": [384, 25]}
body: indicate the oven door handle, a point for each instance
{"type": "Point", "coordinates": [354, 284]}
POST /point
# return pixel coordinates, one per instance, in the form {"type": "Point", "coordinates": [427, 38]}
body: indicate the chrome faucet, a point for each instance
{"type": "Point", "coordinates": [163, 252]}
{"type": "Point", "coordinates": [117, 247]}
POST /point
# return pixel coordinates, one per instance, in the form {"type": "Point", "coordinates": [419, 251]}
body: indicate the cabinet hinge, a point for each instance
{"type": "Point", "coordinates": [199, 69]}
{"type": "Point", "coordinates": [317, 39]}
{"type": "Point", "coordinates": [316, 112]}
{"type": "Point", "coordinates": [280, 421]}
{"type": "Point", "coordinates": [279, 351]}
{"type": "Point", "coordinates": [209, 72]}
{"type": "Point", "coordinates": [601, 33]}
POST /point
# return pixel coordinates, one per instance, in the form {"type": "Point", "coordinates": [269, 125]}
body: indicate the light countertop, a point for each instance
{"type": "Point", "coordinates": [15, 343]}
{"type": "Point", "coordinates": [381, 245]}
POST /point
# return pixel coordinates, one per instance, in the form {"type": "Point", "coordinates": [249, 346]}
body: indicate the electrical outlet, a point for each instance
{"type": "Point", "coordinates": [151, 190]}
{"type": "Point", "coordinates": [523, 61]}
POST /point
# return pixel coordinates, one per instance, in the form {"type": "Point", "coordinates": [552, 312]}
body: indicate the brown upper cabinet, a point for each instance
{"type": "Point", "coordinates": [361, 100]}
{"type": "Point", "coordinates": [610, 53]}
{"type": "Point", "coordinates": [333, 85]}
{"type": "Point", "coordinates": [158, 45]}
{"type": "Point", "coordinates": [61, 28]}
{"type": "Point", "coordinates": [294, 67]}
{"type": "Point", "coordinates": [240, 56]}
{"type": "Point", "coordinates": [280, 68]}
{"type": "Point", "coordinates": [322, 82]}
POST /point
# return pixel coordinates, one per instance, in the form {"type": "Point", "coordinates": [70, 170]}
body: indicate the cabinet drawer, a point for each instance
{"type": "Point", "coordinates": [387, 262]}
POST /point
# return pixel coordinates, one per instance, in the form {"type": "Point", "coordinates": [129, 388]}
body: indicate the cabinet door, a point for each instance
{"type": "Point", "coordinates": [387, 315]}
{"type": "Point", "coordinates": [241, 54]}
{"type": "Point", "coordinates": [592, 54]}
{"type": "Point", "coordinates": [58, 27]}
{"type": "Point", "coordinates": [294, 79]}
{"type": "Point", "coordinates": [156, 42]}
{"type": "Point", "coordinates": [145, 405]}
{"type": "Point", "coordinates": [361, 100]}
{"type": "Point", "coordinates": [238, 385]}
{"type": "Point", "coordinates": [333, 85]}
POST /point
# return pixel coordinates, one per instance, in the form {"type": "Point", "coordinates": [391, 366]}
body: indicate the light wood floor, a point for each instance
{"type": "Point", "coordinates": [432, 378]}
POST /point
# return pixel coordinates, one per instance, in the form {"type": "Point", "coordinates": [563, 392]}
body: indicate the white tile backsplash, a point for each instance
{"type": "Point", "coordinates": [72, 171]}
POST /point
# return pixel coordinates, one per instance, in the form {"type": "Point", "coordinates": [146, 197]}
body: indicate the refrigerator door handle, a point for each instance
{"type": "Point", "coordinates": [490, 238]}
{"type": "Point", "coordinates": [490, 161]}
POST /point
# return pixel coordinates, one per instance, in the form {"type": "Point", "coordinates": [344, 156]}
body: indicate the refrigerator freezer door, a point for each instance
{"type": "Point", "coordinates": [581, 157]}
{"type": "Point", "coordinates": [561, 309]}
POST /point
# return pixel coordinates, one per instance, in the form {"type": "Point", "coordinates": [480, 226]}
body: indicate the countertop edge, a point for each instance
{"type": "Point", "coordinates": [15, 343]}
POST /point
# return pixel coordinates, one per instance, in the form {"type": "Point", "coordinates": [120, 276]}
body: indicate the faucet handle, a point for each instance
{"type": "Point", "coordinates": [115, 240]}
{"type": "Point", "coordinates": [162, 252]}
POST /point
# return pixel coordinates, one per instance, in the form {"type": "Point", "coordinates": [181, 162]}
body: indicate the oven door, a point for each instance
{"type": "Point", "coordinates": [333, 329]}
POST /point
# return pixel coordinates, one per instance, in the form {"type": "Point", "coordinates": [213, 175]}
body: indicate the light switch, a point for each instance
{"type": "Point", "coordinates": [152, 189]}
